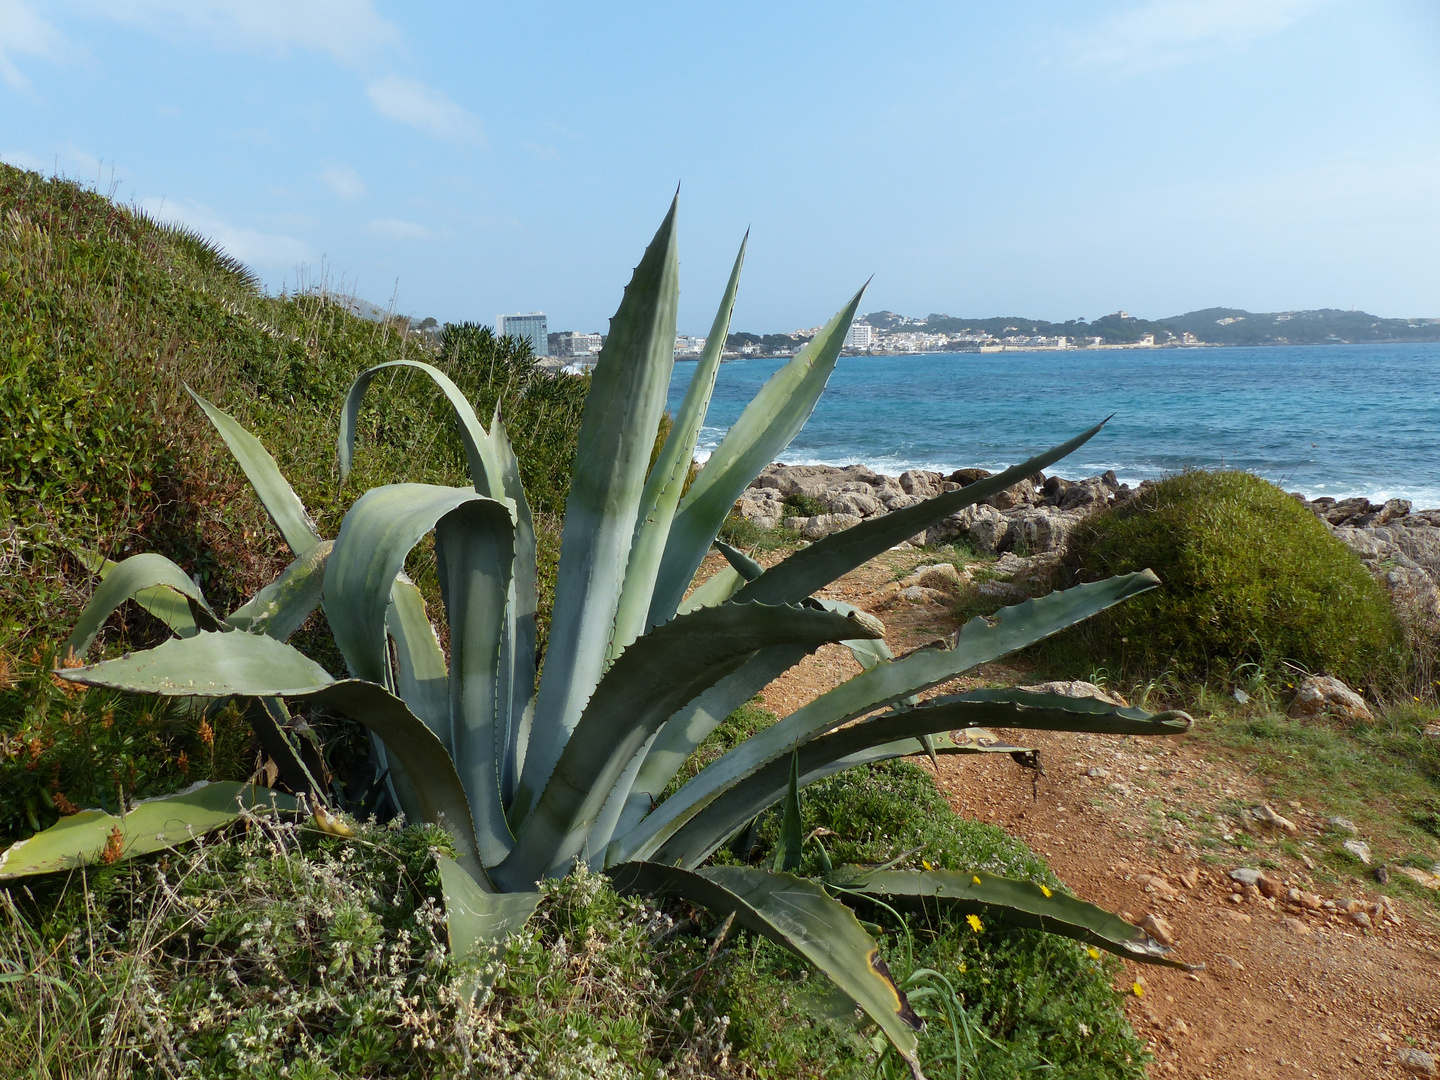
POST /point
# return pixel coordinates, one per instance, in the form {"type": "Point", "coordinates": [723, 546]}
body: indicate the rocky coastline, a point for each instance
{"type": "Point", "coordinates": [1029, 525]}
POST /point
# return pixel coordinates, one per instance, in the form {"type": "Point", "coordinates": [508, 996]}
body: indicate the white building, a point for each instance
{"type": "Point", "coordinates": [574, 343]}
{"type": "Point", "coordinates": [859, 336]}
{"type": "Point", "coordinates": [689, 346]}
{"type": "Point", "coordinates": [530, 327]}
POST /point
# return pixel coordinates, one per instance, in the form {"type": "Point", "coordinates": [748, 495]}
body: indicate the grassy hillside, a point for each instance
{"type": "Point", "coordinates": [105, 317]}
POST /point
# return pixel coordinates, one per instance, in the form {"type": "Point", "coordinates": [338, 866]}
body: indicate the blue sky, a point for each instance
{"type": "Point", "coordinates": [1046, 159]}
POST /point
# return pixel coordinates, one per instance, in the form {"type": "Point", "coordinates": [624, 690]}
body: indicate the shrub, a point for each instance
{"type": "Point", "coordinates": [1249, 577]}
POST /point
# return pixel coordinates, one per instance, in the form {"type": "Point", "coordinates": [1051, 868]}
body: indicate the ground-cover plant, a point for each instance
{"type": "Point", "coordinates": [334, 948]}
{"type": "Point", "coordinates": [1251, 577]}
{"type": "Point", "coordinates": [532, 781]}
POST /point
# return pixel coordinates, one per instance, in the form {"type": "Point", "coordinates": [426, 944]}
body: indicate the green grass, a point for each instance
{"type": "Point", "coordinates": [1384, 776]}
{"type": "Point", "coordinates": [1249, 577]}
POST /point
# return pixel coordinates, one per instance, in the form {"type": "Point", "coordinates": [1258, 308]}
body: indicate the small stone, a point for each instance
{"type": "Point", "coordinates": [1238, 916]}
{"type": "Point", "coordinates": [1308, 862]}
{"type": "Point", "coordinates": [1158, 928]}
{"type": "Point", "coordinates": [1344, 825]}
{"type": "Point", "coordinates": [1230, 961]}
{"type": "Point", "coordinates": [1359, 850]}
{"type": "Point", "coordinates": [1264, 813]}
{"type": "Point", "coordinates": [942, 576]}
{"type": "Point", "coordinates": [1191, 877]}
{"type": "Point", "coordinates": [1097, 773]}
{"type": "Point", "coordinates": [1416, 1061]}
{"type": "Point", "coordinates": [1382, 874]}
{"type": "Point", "coordinates": [1361, 919]}
{"type": "Point", "coordinates": [1245, 875]}
{"type": "Point", "coordinates": [1269, 886]}
{"type": "Point", "coordinates": [1307, 900]}
{"type": "Point", "coordinates": [1296, 925]}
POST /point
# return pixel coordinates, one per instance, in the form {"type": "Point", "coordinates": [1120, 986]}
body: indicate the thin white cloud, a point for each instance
{"type": "Point", "coordinates": [427, 110]}
{"type": "Point", "coordinates": [1162, 33]}
{"type": "Point", "coordinates": [344, 181]}
{"type": "Point", "coordinates": [348, 30]}
{"type": "Point", "coordinates": [395, 229]}
{"type": "Point", "coordinates": [24, 33]}
{"type": "Point", "coordinates": [250, 246]}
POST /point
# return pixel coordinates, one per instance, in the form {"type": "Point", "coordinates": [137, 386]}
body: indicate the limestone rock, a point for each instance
{"type": "Point", "coordinates": [822, 525]}
{"type": "Point", "coordinates": [1324, 694]}
{"type": "Point", "coordinates": [1420, 877]}
{"type": "Point", "coordinates": [942, 576]}
{"type": "Point", "coordinates": [1416, 1061]}
{"type": "Point", "coordinates": [1002, 591]}
{"type": "Point", "coordinates": [1159, 929]}
{"type": "Point", "coordinates": [1359, 850]}
{"type": "Point", "coordinates": [1264, 813]}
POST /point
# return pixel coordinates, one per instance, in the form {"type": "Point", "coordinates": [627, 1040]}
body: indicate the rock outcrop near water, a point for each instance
{"type": "Point", "coordinates": [1029, 525]}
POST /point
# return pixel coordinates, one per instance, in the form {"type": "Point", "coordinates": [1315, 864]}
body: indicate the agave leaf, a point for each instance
{"type": "Point", "coordinates": [89, 837]}
{"type": "Point", "coordinates": [270, 721]}
{"type": "Point", "coordinates": [643, 688]}
{"type": "Point", "coordinates": [763, 430]}
{"type": "Point", "coordinates": [485, 468]}
{"type": "Point", "coordinates": [827, 754]}
{"type": "Point", "coordinates": [802, 917]}
{"type": "Point", "coordinates": [517, 664]}
{"type": "Point", "coordinates": [792, 836]}
{"type": "Point", "coordinates": [667, 477]}
{"type": "Point", "coordinates": [275, 492]}
{"type": "Point", "coordinates": [743, 564]}
{"type": "Point", "coordinates": [422, 675]}
{"type": "Point", "coordinates": [165, 603]}
{"type": "Point", "coordinates": [253, 665]}
{"type": "Point", "coordinates": [978, 642]}
{"type": "Point", "coordinates": [378, 532]}
{"type": "Point", "coordinates": [208, 665]}
{"type": "Point", "coordinates": [617, 436]}
{"type": "Point", "coordinates": [691, 725]}
{"type": "Point", "coordinates": [281, 608]}
{"type": "Point", "coordinates": [126, 580]}
{"type": "Point", "coordinates": [822, 562]}
{"type": "Point", "coordinates": [1017, 903]}
{"type": "Point", "coordinates": [1012, 708]}
{"type": "Point", "coordinates": [438, 789]}
{"type": "Point", "coordinates": [475, 549]}
{"type": "Point", "coordinates": [715, 589]}
{"type": "Point", "coordinates": [477, 918]}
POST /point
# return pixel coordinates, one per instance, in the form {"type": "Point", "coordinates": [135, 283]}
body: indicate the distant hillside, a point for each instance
{"type": "Point", "coordinates": [1211, 326]}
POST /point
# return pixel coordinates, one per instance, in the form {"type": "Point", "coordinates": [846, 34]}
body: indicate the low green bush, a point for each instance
{"type": "Point", "coordinates": [1249, 577]}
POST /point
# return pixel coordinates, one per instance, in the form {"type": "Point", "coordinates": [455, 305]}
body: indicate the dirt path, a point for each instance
{"type": "Point", "coordinates": [1289, 989]}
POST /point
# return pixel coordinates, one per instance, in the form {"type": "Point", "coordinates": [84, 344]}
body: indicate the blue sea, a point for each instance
{"type": "Point", "coordinates": [1336, 420]}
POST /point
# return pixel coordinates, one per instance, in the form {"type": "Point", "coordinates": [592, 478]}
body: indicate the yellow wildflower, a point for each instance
{"type": "Point", "coordinates": [926, 864]}
{"type": "Point", "coordinates": [974, 921]}
{"type": "Point", "coordinates": [1137, 989]}
{"type": "Point", "coordinates": [975, 878]}
{"type": "Point", "coordinates": [1094, 952]}
{"type": "Point", "coordinates": [1046, 891]}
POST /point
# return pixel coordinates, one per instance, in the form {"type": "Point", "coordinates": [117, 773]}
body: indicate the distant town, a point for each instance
{"type": "Point", "coordinates": [885, 333]}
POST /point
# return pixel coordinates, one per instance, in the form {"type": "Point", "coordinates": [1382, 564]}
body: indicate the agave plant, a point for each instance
{"type": "Point", "coordinates": [531, 776]}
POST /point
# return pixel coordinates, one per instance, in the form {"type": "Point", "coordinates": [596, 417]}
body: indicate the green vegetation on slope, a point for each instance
{"type": "Point", "coordinates": [105, 316]}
